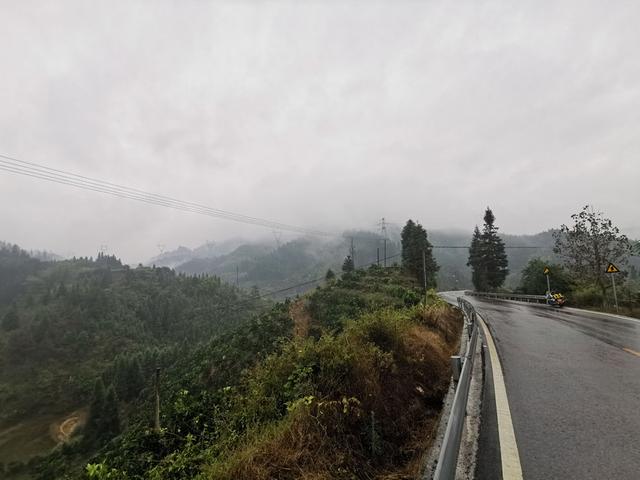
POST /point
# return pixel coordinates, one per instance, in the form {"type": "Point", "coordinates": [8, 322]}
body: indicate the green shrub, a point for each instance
{"type": "Point", "coordinates": [586, 296]}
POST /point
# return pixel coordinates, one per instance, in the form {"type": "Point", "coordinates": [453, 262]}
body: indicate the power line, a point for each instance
{"type": "Point", "coordinates": [42, 172]}
{"type": "Point", "coordinates": [29, 169]}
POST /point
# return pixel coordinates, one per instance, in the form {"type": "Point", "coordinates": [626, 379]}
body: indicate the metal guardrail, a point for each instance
{"type": "Point", "coordinates": [509, 296]}
{"type": "Point", "coordinates": [448, 459]}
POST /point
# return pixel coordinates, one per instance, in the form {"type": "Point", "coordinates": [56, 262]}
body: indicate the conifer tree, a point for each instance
{"type": "Point", "coordinates": [414, 243]}
{"type": "Point", "coordinates": [103, 422]}
{"type": "Point", "coordinates": [110, 419]}
{"type": "Point", "coordinates": [497, 262]}
{"type": "Point", "coordinates": [11, 320]}
{"type": "Point", "coordinates": [94, 422]}
{"type": "Point", "coordinates": [136, 379]}
{"type": "Point", "coordinates": [347, 265]}
{"type": "Point", "coordinates": [120, 379]}
{"type": "Point", "coordinates": [476, 261]}
{"type": "Point", "coordinates": [487, 256]}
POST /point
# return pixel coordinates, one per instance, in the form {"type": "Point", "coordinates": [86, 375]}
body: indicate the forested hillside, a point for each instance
{"type": "Point", "coordinates": [66, 324]}
{"type": "Point", "coordinates": [273, 267]}
{"type": "Point", "coordinates": [16, 265]}
{"type": "Point", "coordinates": [345, 382]}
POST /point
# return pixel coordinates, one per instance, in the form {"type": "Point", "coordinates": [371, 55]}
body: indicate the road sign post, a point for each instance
{"type": "Point", "coordinates": [546, 274]}
{"type": "Point", "coordinates": [615, 295]}
{"type": "Point", "coordinates": [613, 269]}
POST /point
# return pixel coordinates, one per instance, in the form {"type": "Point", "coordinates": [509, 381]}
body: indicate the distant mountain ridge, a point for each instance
{"type": "Point", "coordinates": [266, 265]}
{"type": "Point", "coordinates": [43, 255]}
{"type": "Point", "coordinates": [182, 254]}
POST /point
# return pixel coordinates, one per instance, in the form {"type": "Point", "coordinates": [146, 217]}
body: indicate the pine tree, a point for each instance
{"type": "Point", "coordinates": [415, 243]}
{"type": "Point", "coordinates": [11, 320]}
{"type": "Point", "coordinates": [128, 378]}
{"type": "Point", "coordinates": [496, 257]}
{"type": "Point", "coordinates": [136, 379]}
{"type": "Point", "coordinates": [120, 376]}
{"type": "Point", "coordinates": [476, 261]}
{"type": "Point", "coordinates": [103, 422]}
{"type": "Point", "coordinates": [330, 275]}
{"type": "Point", "coordinates": [347, 265]}
{"type": "Point", "coordinates": [110, 419]}
{"type": "Point", "coordinates": [487, 256]}
{"type": "Point", "coordinates": [94, 422]}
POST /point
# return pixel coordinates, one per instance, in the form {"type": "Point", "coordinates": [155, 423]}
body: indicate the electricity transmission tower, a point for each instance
{"type": "Point", "coordinates": [383, 231]}
{"type": "Point", "coordinates": [278, 236]}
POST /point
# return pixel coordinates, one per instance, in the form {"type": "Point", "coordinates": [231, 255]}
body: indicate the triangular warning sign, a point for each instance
{"type": "Point", "coordinates": [547, 271]}
{"type": "Point", "coordinates": [612, 268]}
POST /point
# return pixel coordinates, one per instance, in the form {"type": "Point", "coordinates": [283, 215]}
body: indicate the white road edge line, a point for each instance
{"type": "Point", "coordinates": [511, 468]}
{"type": "Point", "coordinates": [612, 315]}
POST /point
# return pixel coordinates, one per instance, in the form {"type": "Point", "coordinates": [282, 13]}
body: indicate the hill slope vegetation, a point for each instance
{"type": "Point", "coordinates": [345, 382]}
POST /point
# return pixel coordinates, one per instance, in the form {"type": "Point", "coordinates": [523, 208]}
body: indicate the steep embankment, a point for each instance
{"type": "Point", "coordinates": [346, 382]}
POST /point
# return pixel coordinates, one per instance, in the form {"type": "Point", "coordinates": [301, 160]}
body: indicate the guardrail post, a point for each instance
{"type": "Point", "coordinates": [456, 366]}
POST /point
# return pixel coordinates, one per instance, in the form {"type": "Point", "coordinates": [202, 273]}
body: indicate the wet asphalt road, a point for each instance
{"type": "Point", "coordinates": [573, 389]}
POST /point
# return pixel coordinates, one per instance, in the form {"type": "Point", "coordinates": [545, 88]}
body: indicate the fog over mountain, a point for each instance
{"type": "Point", "coordinates": [321, 114]}
{"type": "Point", "coordinates": [273, 264]}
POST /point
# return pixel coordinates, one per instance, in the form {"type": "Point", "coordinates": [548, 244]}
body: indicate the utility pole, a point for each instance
{"type": "Point", "coordinates": [385, 252]}
{"type": "Point", "coordinates": [424, 274]}
{"type": "Point", "coordinates": [156, 423]}
{"type": "Point", "coordinates": [352, 252]}
{"type": "Point", "coordinates": [378, 253]}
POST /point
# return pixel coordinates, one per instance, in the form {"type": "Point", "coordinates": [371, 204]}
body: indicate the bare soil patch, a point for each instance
{"type": "Point", "coordinates": [63, 429]}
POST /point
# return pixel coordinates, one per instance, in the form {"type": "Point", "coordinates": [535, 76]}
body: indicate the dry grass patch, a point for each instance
{"type": "Point", "coordinates": [361, 404]}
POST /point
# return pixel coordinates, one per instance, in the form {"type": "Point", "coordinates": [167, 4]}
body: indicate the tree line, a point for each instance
{"type": "Point", "coordinates": [581, 254]}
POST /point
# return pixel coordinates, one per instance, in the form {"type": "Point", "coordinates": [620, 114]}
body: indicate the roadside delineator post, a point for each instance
{"type": "Point", "coordinates": [456, 366]}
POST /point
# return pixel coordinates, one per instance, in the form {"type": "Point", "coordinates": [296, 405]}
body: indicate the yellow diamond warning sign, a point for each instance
{"type": "Point", "coordinates": [547, 271]}
{"type": "Point", "coordinates": [612, 268]}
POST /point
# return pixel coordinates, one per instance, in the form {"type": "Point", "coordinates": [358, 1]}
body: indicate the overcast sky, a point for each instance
{"type": "Point", "coordinates": [324, 114]}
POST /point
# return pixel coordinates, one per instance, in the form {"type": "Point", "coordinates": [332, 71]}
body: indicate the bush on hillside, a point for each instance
{"type": "Point", "coordinates": [587, 296]}
{"type": "Point", "coordinates": [356, 403]}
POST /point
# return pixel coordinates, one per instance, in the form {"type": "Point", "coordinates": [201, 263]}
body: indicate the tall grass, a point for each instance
{"type": "Point", "coordinates": [357, 404]}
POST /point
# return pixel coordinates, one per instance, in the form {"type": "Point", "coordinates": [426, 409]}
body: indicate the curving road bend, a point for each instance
{"type": "Point", "coordinates": [573, 384]}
